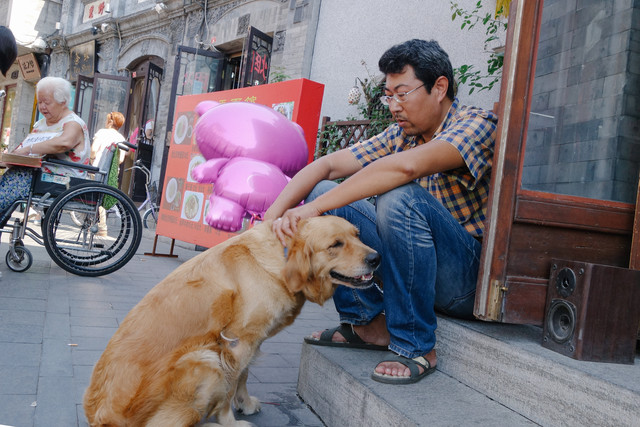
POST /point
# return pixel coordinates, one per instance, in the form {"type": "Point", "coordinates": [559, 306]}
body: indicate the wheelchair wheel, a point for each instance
{"type": "Point", "coordinates": [150, 218]}
{"type": "Point", "coordinates": [20, 260]}
{"type": "Point", "coordinates": [103, 242]}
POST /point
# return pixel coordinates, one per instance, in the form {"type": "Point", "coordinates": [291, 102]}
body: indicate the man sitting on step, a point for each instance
{"type": "Point", "coordinates": [430, 171]}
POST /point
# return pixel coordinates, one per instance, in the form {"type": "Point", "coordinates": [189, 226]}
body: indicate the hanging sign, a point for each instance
{"type": "Point", "coordinates": [29, 67]}
{"type": "Point", "coordinates": [256, 57]}
{"type": "Point", "coordinates": [82, 59]}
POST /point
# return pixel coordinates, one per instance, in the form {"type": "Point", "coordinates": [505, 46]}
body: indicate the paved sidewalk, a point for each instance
{"type": "Point", "coordinates": [55, 325]}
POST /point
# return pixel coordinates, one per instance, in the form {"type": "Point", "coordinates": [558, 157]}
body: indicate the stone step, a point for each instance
{"type": "Point", "coordinates": [336, 384]}
{"type": "Point", "coordinates": [488, 374]}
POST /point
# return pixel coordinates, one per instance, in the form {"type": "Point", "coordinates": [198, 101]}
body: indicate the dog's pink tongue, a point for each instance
{"type": "Point", "coordinates": [365, 278]}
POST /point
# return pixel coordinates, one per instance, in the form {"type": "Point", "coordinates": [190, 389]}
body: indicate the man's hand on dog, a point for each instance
{"type": "Point", "coordinates": [287, 224]}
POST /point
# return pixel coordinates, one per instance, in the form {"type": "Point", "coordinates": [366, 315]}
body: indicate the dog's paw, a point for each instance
{"type": "Point", "coordinates": [248, 406]}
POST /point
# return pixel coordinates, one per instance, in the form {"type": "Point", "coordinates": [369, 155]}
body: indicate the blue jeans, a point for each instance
{"type": "Point", "coordinates": [429, 262]}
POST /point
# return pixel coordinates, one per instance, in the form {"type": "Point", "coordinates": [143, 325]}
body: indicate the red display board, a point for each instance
{"type": "Point", "coordinates": [184, 201]}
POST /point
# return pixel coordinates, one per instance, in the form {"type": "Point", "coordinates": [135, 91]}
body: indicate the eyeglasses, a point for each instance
{"type": "Point", "coordinates": [398, 97]}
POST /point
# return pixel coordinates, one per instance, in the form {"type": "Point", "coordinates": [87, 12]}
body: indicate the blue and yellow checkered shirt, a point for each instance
{"type": "Point", "coordinates": [463, 191]}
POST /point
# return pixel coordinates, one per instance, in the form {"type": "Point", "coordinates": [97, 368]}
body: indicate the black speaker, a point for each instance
{"type": "Point", "coordinates": [592, 311]}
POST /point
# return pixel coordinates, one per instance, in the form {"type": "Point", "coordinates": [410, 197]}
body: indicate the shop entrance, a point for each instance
{"type": "Point", "coordinates": [137, 98]}
{"type": "Point", "coordinates": [141, 118]}
{"type": "Point", "coordinates": [238, 63]}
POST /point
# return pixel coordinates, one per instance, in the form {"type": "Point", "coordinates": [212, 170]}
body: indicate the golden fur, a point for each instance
{"type": "Point", "coordinates": [182, 353]}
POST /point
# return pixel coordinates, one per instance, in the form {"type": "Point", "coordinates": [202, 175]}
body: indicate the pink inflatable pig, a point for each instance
{"type": "Point", "coordinates": [251, 151]}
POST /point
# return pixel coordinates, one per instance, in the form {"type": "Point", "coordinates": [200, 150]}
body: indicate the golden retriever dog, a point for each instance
{"type": "Point", "coordinates": [182, 353]}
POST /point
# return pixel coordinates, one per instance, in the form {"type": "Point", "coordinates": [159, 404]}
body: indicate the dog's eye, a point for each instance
{"type": "Point", "coordinates": [337, 244]}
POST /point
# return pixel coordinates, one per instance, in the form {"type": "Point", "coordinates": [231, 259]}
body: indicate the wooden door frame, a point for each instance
{"type": "Point", "coordinates": [510, 208]}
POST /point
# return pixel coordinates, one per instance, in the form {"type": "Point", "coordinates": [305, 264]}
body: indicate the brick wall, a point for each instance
{"type": "Point", "coordinates": [584, 128]}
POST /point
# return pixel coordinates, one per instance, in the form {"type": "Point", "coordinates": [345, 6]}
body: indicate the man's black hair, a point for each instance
{"type": "Point", "coordinates": [8, 49]}
{"type": "Point", "coordinates": [427, 58]}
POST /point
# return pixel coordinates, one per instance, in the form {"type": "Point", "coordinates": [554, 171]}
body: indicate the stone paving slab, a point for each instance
{"type": "Point", "coordinates": [55, 325]}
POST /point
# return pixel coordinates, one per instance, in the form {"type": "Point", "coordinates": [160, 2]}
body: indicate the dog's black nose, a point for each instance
{"type": "Point", "coordinates": [373, 259]}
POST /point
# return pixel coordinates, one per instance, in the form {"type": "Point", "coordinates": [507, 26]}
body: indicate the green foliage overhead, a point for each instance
{"type": "Point", "coordinates": [369, 107]}
{"type": "Point", "coordinates": [469, 74]}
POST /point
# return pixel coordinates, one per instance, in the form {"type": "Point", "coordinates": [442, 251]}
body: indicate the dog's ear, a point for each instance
{"type": "Point", "coordinates": [297, 270]}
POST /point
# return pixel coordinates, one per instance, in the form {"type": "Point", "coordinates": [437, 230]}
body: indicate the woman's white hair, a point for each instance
{"type": "Point", "coordinates": [59, 88]}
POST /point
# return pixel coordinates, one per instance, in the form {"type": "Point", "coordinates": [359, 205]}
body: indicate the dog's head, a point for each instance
{"type": "Point", "coordinates": [326, 252]}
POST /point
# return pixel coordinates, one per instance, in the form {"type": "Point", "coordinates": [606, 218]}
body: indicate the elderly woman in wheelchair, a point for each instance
{"type": "Point", "coordinates": [60, 134]}
{"type": "Point", "coordinates": [62, 189]}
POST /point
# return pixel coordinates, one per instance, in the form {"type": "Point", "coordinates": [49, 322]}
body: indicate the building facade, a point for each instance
{"type": "Point", "coordinates": [151, 52]}
{"type": "Point", "coordinates": [138, 56]}
{"type": "Point", "coordinates": [31, 22]}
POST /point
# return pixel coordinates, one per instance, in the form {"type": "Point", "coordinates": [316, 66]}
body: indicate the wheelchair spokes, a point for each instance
{"type": "Point", "coordinates": [103, 242]}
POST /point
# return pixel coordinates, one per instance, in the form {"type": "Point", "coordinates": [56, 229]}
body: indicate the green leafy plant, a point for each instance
{"type": "Point", "coordinates": [372, 109]}
{"type": "Point", "coordinates": [328, 141]}
{"type": "Point", "coordinates": [369, 108]}
{"type": "Point", "coordinates": [493, 27]}
{"type": "Point", "coordinates": [277, 75]}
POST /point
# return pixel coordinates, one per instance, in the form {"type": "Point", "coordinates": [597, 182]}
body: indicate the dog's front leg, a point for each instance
{"type": "Point", "coordinates": [243, 402]}
{"type": "Point", "coordinates": [226, 418]}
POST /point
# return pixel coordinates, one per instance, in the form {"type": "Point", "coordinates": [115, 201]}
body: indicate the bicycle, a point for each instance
{"type": "Point", "coordinates": [150, 216]}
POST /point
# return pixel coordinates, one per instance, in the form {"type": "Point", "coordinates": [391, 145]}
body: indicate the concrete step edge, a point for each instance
{"type": "Point", "coordinates": [539, 388]}
{"type": "Point", "coordinates": [336, 383]}
{"type": "Point", "coordinates": [338, 398]}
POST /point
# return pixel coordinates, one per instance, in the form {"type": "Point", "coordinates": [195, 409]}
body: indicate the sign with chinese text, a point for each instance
{"type": "Point", "coordinates": [256, 57]}
{"type": "Point", "coordinates": [29, 67]}
{"type": "Point", "coordinates": [94, 10]}
{"type": "Point", "coordinates": [82, 59]}
{"type": "Point", "coordinates": [185, 202]}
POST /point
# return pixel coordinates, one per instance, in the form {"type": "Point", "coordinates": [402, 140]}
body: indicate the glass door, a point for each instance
{"type": "Point", "coordinates": [256, 58]}
{"type": "Point", "coordinates": [110, 93]}
{"type": "Point", "coordinates": [197, 71]}
{"type": "Point", "coordinates": [98, 96]}
{"type": "Point", "coordinates": [83, 96]}
{"type": "Point", "coordinates": [580, 140]}
{"type": "Point", "coordinates": [565, 170]}
{"type": "Point", "coordinates": [150, 88]}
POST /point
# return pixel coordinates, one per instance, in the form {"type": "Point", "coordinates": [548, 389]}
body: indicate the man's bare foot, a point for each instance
{"type": "Point", "coordinates": [373, 333]}
{"type": "Point", "coordinates": [396, 369]}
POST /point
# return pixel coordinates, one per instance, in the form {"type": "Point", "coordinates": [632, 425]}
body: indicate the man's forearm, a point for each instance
{"type": "Point", "coordinates": [297, 189]}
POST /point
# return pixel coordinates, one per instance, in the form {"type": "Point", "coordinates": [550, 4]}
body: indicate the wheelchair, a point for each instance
{"type": "Point", "coordinates": [88, 227]}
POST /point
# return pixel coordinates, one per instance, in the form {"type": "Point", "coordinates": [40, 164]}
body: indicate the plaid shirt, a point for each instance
{"type": "Point", "coordinates": [463, 191]}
